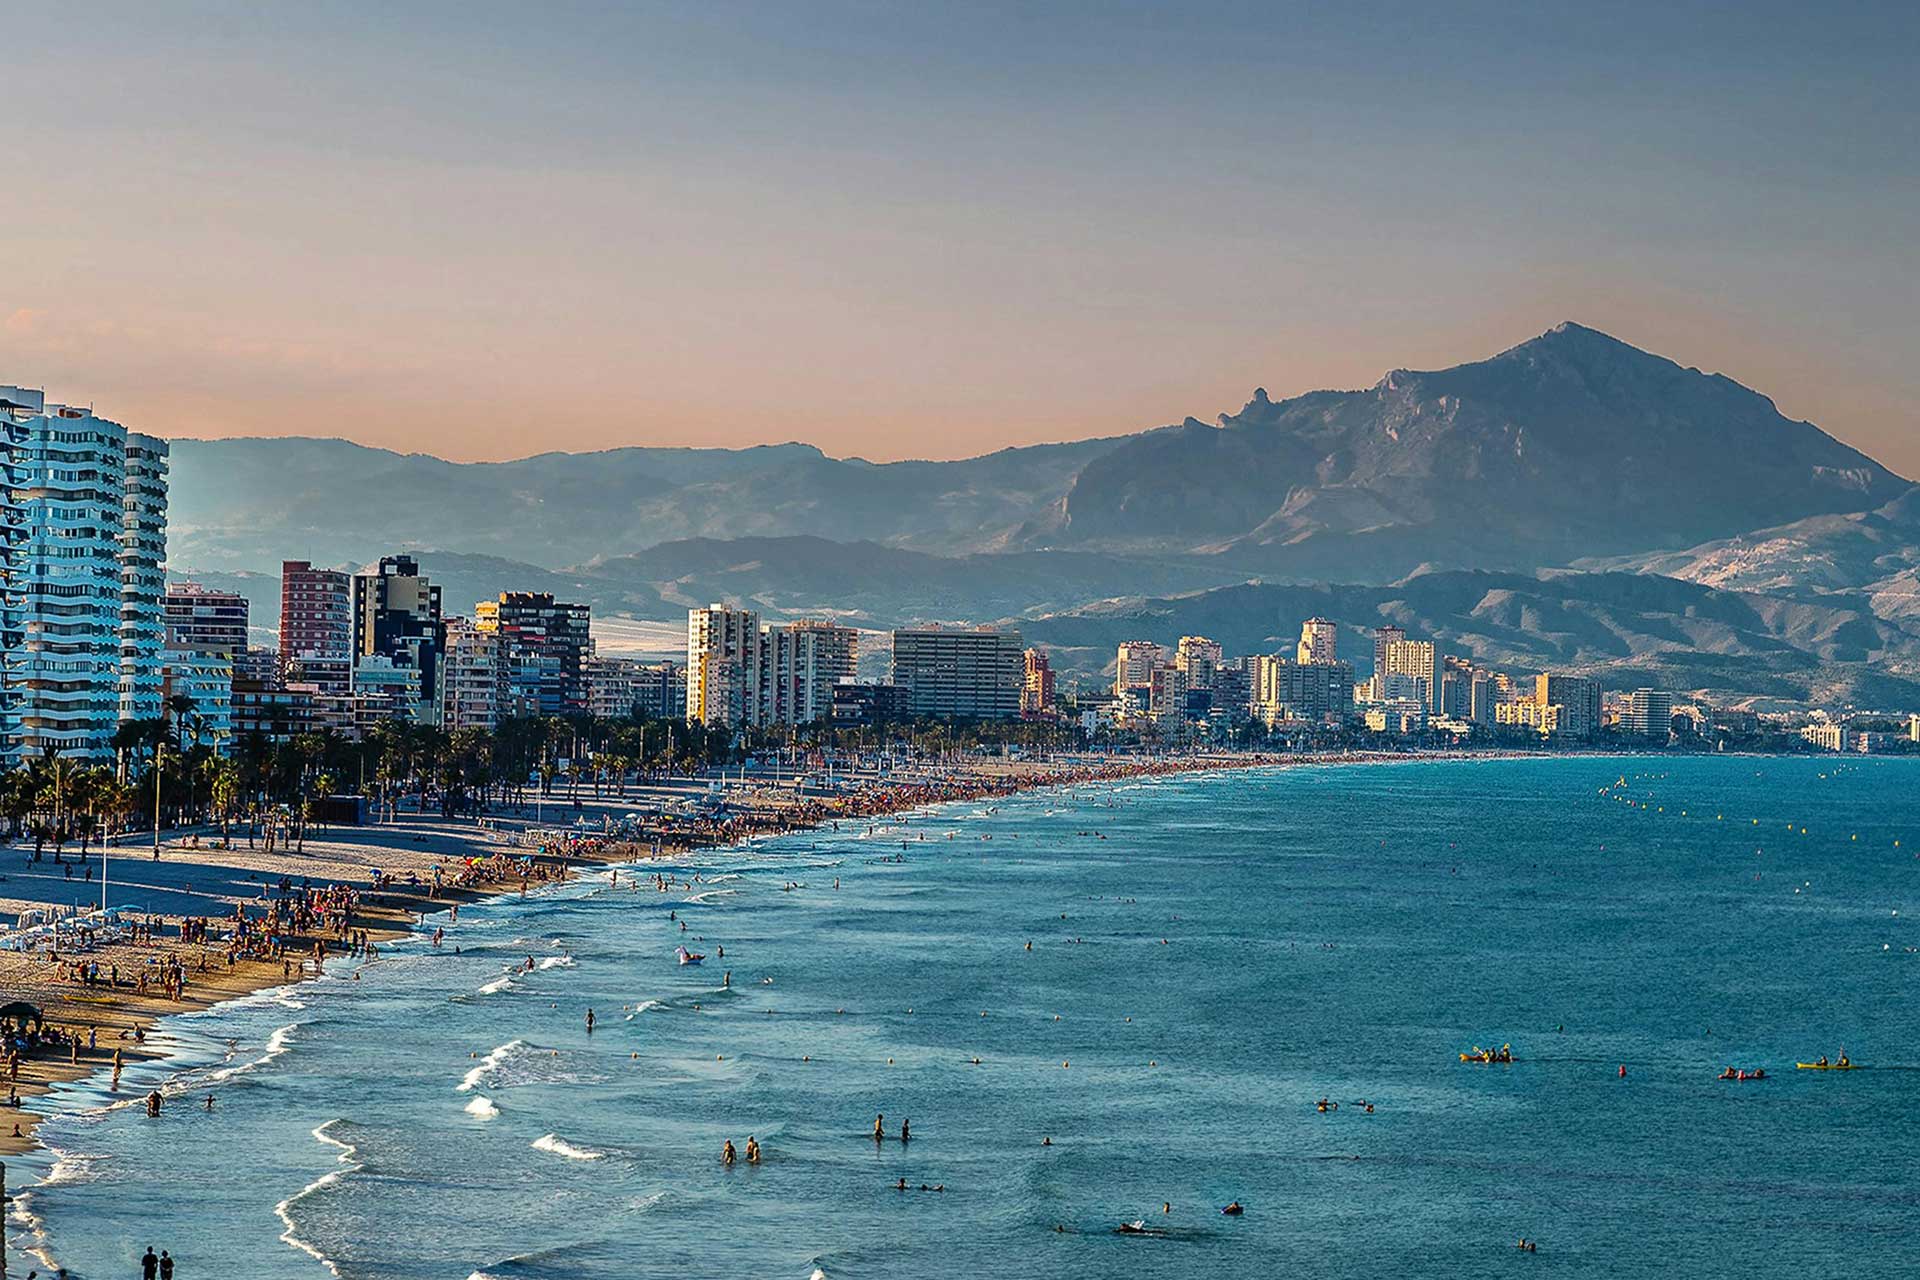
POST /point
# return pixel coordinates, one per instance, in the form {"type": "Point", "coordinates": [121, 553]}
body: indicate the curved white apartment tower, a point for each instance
{"type": "Point", "coordinates": [82, 554]}
{"type": "Point", "coordinates": [143, 579]}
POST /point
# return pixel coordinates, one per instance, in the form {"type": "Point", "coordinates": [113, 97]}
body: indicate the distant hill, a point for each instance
{"type": "Point", "coordinates": [1571, 444]}
{"type": "Point", "coordinates": [249, 503]}
{"type": "Point", "coordinates": [1871, 554]}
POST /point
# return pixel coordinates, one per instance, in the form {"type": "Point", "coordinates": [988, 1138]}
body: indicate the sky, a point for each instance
{"type": "Point", "coordinates": [918, 230]}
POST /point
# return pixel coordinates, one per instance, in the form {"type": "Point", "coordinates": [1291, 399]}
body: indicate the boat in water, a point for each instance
{"type": "Point", "coordinates": [1503, 1054]}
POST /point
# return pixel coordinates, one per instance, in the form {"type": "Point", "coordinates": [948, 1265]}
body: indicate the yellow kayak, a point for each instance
{"type": "Point", "coordinates": [1828, 1066]}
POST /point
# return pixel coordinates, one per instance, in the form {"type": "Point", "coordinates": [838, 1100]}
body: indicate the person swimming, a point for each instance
{"type": "Point", "coordinates": [1233, 1210]}
{"type": "Point", "coordinates": [727, 1154]}
{"type": "Point", "coordinates": [753, 1150]}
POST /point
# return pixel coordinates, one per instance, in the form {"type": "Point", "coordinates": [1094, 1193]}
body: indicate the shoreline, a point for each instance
{"type": "Point", "coordinates": [397, 911]}
{"type": "Point", "coordinates": [394, 911]}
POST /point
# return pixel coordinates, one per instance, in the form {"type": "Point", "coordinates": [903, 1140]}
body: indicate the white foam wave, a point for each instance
{"type": "Point", "coordinates": [561, 1147]}
{"type": "Point", "coordinates": [482, 1107]}
{"type": "Point", "coordinates": [707, 894]}
{"type": "Point", "coordinates": [471, 1081]}
{"type": "Point", "coordinates": [498, 985]}
{"type": "Point", "coordinates": [284, 1210]}
{"type": "Point", "coordinates": [71, 1166]}
{"type": "Point", "coordinates": [556, 962]}
{"type": "Point", "coordinates": [277, 1043]}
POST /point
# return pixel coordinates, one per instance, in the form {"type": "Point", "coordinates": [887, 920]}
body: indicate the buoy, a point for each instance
{"type": "Point", "coordinates": [1623, 1071]}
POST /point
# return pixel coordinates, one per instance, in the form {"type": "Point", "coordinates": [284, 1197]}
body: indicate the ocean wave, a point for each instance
{"type": "Point", "coordinates": [705, 895]}
{"type": "Point", "coordinates": [71, 1167]}
{"type": "Point", "coordinates": [471, 1081]}
{"type": "Point", "coordinates": [556, 962]}
{"type": "Point", "coordinates": [561, 1147]}
{"type": "Point", "coordinates": [277, 1043]}
{"type": "Point", "coordinates": [646, 1006]}
{"type": "Point", "coordinates": [284, 1210]}
{"type": "Point", "coordinates": [481, 1107]}
{"type": "Point", "coordinates": [498, 985]}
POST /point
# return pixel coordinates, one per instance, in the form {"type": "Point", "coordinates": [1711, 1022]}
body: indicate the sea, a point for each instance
{"type": "Point", "coordinates": [1096, 1006]}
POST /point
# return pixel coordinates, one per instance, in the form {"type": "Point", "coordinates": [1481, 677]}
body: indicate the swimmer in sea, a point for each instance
{"type": "Point", "coordinates": [906, 1134]}
{"type": "Point", "coordinates": [880, 1128]}
{"type": "Point", "coordinates": [753, 1150]}
{"type": "Point", "coordinates": [727, 1154]}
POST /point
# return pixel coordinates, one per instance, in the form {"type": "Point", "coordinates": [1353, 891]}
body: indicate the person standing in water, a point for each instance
{"type": "Point", "coordinates": [906, 1134]}
{"type": "Point", "coordinates": [880, 1128]}
{"type": "Point", "coordinates": [727, 1154]}
{"type": "Point", "coordinates": [589, 1022]}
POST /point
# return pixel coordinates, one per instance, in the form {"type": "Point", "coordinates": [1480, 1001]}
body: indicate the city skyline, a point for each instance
{"type": "Point", "coordinates": [664, 226]}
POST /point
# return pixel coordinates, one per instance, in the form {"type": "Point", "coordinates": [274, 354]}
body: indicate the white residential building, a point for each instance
{"type": "Point", "coordinates": [83, 556]}
{"type": "Point", "coordinates": [143, 580]}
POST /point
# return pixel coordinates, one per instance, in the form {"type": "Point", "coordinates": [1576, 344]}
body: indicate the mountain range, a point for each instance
{"type": "Point", "coordinates": [1791, 556]}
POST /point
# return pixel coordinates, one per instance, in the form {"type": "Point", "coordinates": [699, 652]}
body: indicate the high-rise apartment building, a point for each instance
{"type": "Point", "coordinates": [1649, 714]}
{"type": "Point", "coordinates": [1036, 685]}
{"type": "Point", "coordinates": [205, 620]}
{"type": "Point", "coordinates": [724, 656]}
{"type": "Point", "coordinates": [396, 617]}
{"type": "Point", "coordinates": [1318, 640]}
{"type": "Point", "coordinates": [471, 677]}
{"type": "Point", "coordinates": [660, 690]}
{"type": "Point", "coordinates": [79, 561]}
{"type": "Point", "coordinates": [544, 645]}
{"type": "Point", "coordinates": [1578, 698]}
{"type": "Point", "coordinates": [316, 625]}
{"type": "Point", "coordinates": [741, 673]}
{"type": "Point", "coordinates": [803, 661]}
{"type": "Point", "coordinates": [613, 687]}
{"type": "Point", "coordinates": [1316, 692]}
{"type": "Point", "coordinates": [1198, 658]}
{"type": "Point", "coordinates": [959, 674]}
{"type": "Point", "coordinates": [1134, 667]}
{"type": "Point", "coordinates": [1382, 637]}
{"type": "Point", "coordinates": [1419, 660]}
{"type": "Point", "coordinates": [143, 578]}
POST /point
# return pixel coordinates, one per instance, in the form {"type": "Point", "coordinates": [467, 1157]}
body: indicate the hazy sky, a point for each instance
{"type": "Point", "coordinates": [933, 230]}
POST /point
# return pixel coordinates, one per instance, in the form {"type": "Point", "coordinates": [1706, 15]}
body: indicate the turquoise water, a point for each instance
{"type": "Point", "coordinates": [1340, 932]}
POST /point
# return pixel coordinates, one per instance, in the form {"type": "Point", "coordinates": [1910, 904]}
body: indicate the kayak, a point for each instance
{"type": "Point", "coordinates": [1828, 1066]}
{"type": "Point", "coordinates": [1483, 1059]}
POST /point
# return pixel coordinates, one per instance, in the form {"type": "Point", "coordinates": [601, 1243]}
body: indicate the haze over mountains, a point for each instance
{"type": "Point", "coordinates": [1797, 553]}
